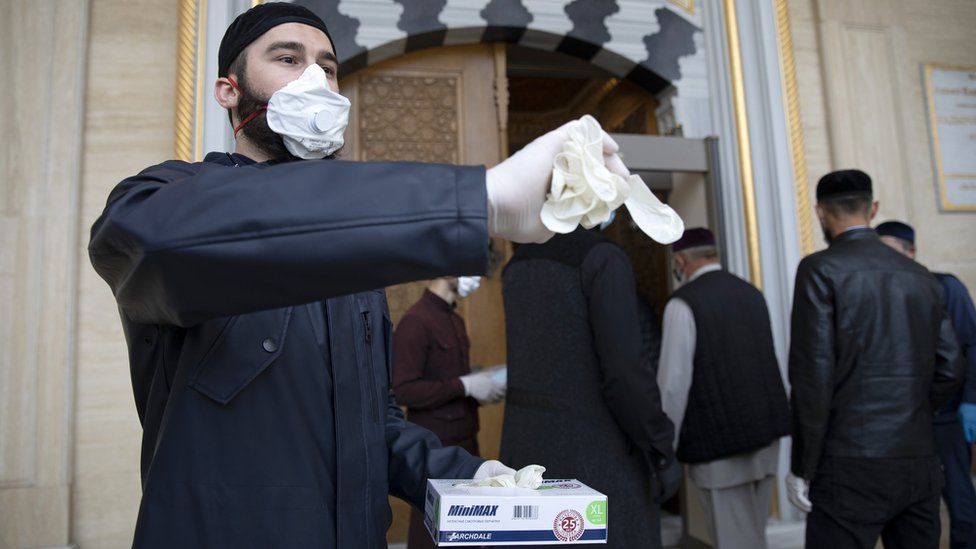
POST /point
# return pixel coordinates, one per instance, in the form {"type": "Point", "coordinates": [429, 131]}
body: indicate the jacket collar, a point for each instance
{"type": "Point", "coordinates": [237, 159]}
{"type": "Point", "coordinates": [710, 268]}
{"type": "Point", "coordinates": [435, 301]}
{"type": "Point", "coordinates": [860, 233]}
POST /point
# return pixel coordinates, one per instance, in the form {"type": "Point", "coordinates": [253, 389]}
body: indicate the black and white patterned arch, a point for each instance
{"type": "Point", "coordinates": [647, 42]}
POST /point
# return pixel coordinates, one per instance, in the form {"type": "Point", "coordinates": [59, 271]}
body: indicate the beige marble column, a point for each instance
{"type": "Point", "coordinates": [42, 75]}
{"type": "Point", "coordinates": [128, 127]}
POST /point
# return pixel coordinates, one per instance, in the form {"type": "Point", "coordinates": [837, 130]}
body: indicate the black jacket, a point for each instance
{"type": "Point", "coordinates": [872, 354]}
{"type": "Point", "coordinates": [581, 399]}
{"type": "Point", "coordinates": [260, 360]}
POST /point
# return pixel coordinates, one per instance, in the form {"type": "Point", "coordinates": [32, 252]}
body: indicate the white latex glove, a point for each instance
{"type": "Point", "coordinates": [500, 476]}
{"type": "Point", "coordinates": [483, 388]}
{"type": "Point", "coordinates": [588, 185]}
{"type": "Point", "coordinates": [799, 492]}
{"type": "Point", "coordinates": [518, 186]}
{"type": "Point", "coordinates": [492, 468]}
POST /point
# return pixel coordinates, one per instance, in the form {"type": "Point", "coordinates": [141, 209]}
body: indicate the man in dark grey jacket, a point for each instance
{"type": "Point", "coordinates": [259, 355]}
{"type": "Point", "coordinates": [872, 356]}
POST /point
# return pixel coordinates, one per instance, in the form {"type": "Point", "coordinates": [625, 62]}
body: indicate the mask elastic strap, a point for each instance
{"type": "Point", "coordinates": [249, 117]}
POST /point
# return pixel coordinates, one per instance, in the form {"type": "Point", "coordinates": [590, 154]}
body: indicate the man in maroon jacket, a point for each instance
{"type": "Point", "coordinates": [432, 375]}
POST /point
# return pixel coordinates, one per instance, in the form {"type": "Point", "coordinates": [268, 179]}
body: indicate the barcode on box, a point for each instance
{"type": "Point", "coordinates": [525, 512]}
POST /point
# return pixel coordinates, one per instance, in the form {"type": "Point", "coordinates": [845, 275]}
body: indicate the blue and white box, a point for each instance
{"type": "Point", "coordinates": [556, 513]}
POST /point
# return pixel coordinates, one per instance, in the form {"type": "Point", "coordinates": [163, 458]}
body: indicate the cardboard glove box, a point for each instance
{"type": "Point", "coordinates": [556, 513]}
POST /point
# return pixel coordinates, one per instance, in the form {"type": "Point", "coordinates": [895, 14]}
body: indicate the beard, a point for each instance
{"type": "Point", "coordinates": [257, 130]}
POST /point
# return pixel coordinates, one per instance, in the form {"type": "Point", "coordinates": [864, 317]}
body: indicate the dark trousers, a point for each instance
{"type": "Point", "coordinates": [417, 536]}
{"type": "Point", "coordinates": [959, 495]}
{"type": "Point", "coordinates": [856, 500]}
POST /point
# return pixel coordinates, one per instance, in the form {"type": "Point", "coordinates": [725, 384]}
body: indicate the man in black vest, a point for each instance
{"type": "Point", "coordinates": [721, 385]}
{"type": "Point", "coordinates": [872, 354]}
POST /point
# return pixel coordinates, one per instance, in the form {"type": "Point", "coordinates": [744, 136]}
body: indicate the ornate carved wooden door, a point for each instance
{"type": "Point", "coordinates": [442, 105]}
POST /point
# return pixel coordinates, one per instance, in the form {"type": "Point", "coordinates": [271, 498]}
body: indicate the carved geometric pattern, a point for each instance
{"type": "Point", "coordinates": [409, 118]}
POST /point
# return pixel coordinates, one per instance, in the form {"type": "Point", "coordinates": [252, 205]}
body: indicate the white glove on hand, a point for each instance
{"type": "Point", "coordinates": [518, 186]}
{"type": "Point", "coordinates": [799, 492]}
{"type": "Point", "coordinates": [492, 468]}
{"type": "Point", "coordinates": [483, 388]}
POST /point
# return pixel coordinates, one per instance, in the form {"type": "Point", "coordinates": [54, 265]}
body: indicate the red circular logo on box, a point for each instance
{"type": "Point", "coordinates": [568, 525]}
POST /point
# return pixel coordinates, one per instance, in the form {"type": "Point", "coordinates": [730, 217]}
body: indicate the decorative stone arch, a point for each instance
{"type": "Point", "coordinates": [645, 48]}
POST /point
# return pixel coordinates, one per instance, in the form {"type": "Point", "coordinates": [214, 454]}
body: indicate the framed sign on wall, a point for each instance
{"type": "Point", "coordinates": [951, 95]}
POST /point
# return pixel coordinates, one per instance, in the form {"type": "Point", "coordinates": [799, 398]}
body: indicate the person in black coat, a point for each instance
{"type": "Point", "coordinates": [872, 355]}
{"type": "Point", "coordinates": [259, 351]}
{"type": "Point", "coordinates": [581, 397]}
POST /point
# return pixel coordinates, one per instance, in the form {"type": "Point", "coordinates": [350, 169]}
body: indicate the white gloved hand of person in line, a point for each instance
{"type": "Point", "coordinates": [799, 492]}
{"type": "Point", "coordinates": [517, 187]}
{"type": "Point", "coordinates": [483, 387]}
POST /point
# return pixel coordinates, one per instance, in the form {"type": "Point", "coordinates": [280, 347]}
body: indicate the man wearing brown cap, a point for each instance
{"type": "Point", "coordinates": [721, 385]}
{"type": "Point", "coordinates": [872, 355]}
{"type": "Point", "coordinates": [259, 350]}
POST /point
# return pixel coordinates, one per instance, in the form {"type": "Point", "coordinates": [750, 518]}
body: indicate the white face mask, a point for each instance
{"type": "Point", "coordinates": [309, 116]}
{"type": "Point", "coordinates": [468, 284]}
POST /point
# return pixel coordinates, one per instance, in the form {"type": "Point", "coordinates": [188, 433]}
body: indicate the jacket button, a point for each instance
{"type": "Point", "coordinates": [269, 345]}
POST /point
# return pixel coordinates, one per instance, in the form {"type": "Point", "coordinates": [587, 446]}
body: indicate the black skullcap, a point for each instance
{"type": "Point", "coordinates": [251, 24]}
{"type": "Point", "coordinates": [694, 238]}
{"type": "Point", "coordinates": [897, 229]}
{"type": "Point", "coordinates": [843, 184]}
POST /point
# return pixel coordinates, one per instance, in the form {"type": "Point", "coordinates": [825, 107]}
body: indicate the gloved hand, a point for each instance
{"type": "Point", "coordinates": [967, 418]}
{"type": "Point", "coordinates": [799, 492]}
{"type": "Point", "coordinates": [483, 388]}
{"type": "Point", "coordinates": [517, 187]}
{"type": "Point", "coordinates": [668, 481]}
{"type": "Point", "coordinates": [492, 468]}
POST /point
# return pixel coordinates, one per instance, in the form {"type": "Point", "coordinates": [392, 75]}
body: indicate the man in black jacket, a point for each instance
{"type": "Point", "coordinates": [259, 355]}
{"type": "Point", "coordinates": [582, 399]}
{"type": "Point", "coordinates": [872, 355]}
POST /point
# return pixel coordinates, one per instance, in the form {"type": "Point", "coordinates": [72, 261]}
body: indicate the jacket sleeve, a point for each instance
{"type": "Point", "coordinates": [629, 383]}
{"type": "Point", "coordinates": [180, 243]}
{"type": "Point", "coordinates": [409, 364]}
{"type": "Point", "coordinates": [811, 366]}
{"type": "Point", "coordinates": [962, 313]}
{"type": "Point", "coordinates": [948, 366]}
{"type": "Point", "coordinates": [417, 455]}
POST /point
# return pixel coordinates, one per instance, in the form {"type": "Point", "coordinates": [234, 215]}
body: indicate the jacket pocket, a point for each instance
{"type": "Point", "coordinates": [245, 348]}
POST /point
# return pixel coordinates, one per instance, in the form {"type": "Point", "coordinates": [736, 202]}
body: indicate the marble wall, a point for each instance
{"type": "Point", "coordinates": [128, 125]}
{"type": "Point", "coordinates": [862, 100]}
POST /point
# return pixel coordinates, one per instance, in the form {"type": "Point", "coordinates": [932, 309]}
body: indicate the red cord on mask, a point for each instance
{"type": "Point", "coordinates": [249, 117]}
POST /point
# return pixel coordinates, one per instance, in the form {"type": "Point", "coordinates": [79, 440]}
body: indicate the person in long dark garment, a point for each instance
{"type": "Point", "coordinates": [582, 399]}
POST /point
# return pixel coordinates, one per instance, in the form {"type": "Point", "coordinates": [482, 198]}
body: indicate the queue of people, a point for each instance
{"type": "Point", "coordinates": [268, 375]}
